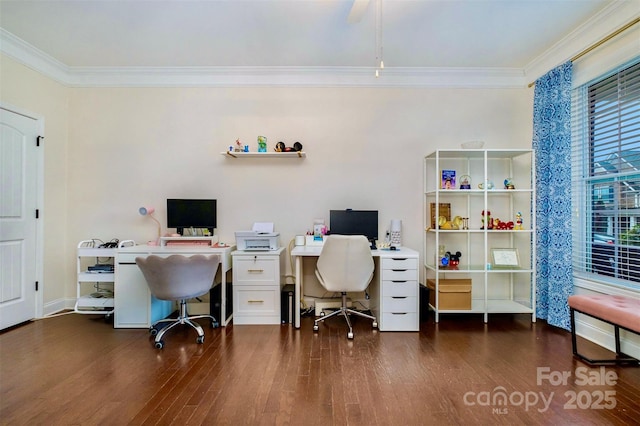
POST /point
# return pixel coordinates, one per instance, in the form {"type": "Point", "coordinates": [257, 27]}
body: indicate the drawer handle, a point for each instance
{"type": "Point", "coordinates": [255, 301]}
{"type": "Point", "coordinates": [399, 270]}
{"type": "Point", "coordinates": [398, 297]}
{"type": "Point", "coordinates": [398, 313]}
{"type": "Point", "coordinates": [400, 258]}
{"type": "Point", "coordinates": [255, 271]}
{"type": "Point", "coordinates": [398, 281]}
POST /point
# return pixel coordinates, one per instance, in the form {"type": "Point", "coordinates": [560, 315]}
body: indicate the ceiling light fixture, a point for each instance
{"type": "Point", "coordinates": [379, 60]}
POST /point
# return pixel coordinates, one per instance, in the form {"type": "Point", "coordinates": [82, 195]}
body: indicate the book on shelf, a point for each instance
{"type": "Point", "coordinates": [448, 179]}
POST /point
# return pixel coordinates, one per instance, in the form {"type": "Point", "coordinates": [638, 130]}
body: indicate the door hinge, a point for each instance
{"type": "Point", "coordinates": [37, 285]}
{"type": "Point", "coordinates": [38, 140]}
{"type": "Point", "coordinates": [37, 213]}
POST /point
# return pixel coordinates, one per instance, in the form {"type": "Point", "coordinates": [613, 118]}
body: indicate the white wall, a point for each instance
{"type": "Point", "coordinates": [365, 149]}
{"type": "Point", "coordinates": [109, 151]}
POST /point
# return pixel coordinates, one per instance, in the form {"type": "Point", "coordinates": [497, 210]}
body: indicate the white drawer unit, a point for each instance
{"type": "Point", "coordinates": [256, 286]}
{"type": "Point", "coordinates": [399, 297]}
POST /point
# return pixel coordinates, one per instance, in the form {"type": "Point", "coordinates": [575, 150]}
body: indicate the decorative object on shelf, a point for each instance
{"type": "Point", "coordinates": [472, 145]}
{"type": "Point", "coordinates": [281, 147]}
{"type": "Point", "coordinates": [262, 144]}
{"type": "Point", "coordinates": [505, 258]}
{"type": "Point", "coordinates": [443, 223]}
{"type": "Point", "coordinates": [465, 182]}
{"type": "Point", "coordinates": [444, 209]}
{"type": "Point", "coordinates": [508, 184]}
{"type": "Point", "coordinates": [239, 147]}
{"type": "Point", "coordinates": [486, 219]}
{"type": "Point", "coordinates": [465, 223]}
{"type": "Point", "coordinates": [454, 258]}
{"type": "Point", "coordinates": [148, 211]}
{"type": "Point", "coordinates": [518, 224]}
{"type": "Point", "coordinates": [490, 185]}
{"type": "Point", "coordinates": [500, 225]}
{"type": "Point", "coordinates": [448, 179]}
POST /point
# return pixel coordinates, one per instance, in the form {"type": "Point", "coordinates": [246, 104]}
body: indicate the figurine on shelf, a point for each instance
{"type": "Point", "coordinates": [262, 144]}
{"type": "Point", "coordinates": [486, 218]}
{"type": "Point", "coordinates": [454, 259]}
{"type": "Point", "coordinates": [238, 147]}
{"type": "Point", "coordinates": [518, 221]}
{"type": "Point", "coordinates": [508, 184]}
{"type": "Point", "coordinates": [280, 147]}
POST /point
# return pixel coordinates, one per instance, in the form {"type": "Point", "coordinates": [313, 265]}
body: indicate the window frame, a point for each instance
{"type": "Point", "coordinates": [585, 178]}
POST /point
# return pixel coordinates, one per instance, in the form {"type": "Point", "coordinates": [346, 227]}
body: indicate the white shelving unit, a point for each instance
{"type": "Point", "coordinates": [493, 290]}
{"type": "Point", "coordinates": [94, 290]}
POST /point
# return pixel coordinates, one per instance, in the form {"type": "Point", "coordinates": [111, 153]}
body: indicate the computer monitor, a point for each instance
{"type": "Point", "coordinates": [189, 213]}
{"type": "Point", "coordinates": [354, 222]}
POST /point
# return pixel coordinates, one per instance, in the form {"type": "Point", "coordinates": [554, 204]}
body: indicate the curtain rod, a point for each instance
{"type": "Point", "coordinates": [599, 43]}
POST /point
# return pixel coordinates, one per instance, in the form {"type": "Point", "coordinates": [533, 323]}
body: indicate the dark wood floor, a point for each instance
{"type": "Point", "coordinates": [78, 370]}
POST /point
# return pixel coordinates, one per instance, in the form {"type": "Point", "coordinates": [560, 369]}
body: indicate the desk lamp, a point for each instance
{"type": "Point", "coordinates": [148, 211]}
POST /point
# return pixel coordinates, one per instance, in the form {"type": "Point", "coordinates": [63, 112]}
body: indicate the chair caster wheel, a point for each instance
{"type": "Point", "coordinates": [153, 331]}
{"type": "Point", "coordinates": [350, 335]}
{"type": "Point", "coordinates": [322, 313]}
{"type": "Point", "coordinates": [215, 324]}
{"type": "Point", "coordinates": [159, 345]}
{"type": "Point", "coordinates": [375, 324]}
{"type": "Point", "coordinates": [200, 339]}
{"type": "Point", "coordinates": [315, 327]}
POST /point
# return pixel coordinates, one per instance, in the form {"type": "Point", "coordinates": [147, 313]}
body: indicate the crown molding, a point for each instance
{"type": "Point", "coordinates": [614, 16]}
{"type": "Point", "coordinates": [296, 77]}
{"type": "Point", "coordinates": [37, 60]}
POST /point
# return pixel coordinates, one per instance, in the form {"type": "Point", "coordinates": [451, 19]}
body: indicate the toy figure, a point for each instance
{"type": "Point", "coordinates": [262, 144]}
{"type": "Point", "coordinates": [238, 146]}
{"type": "Point", "coordinates": [454, 259]}
{"type": "Point", "coordinates": [486, 215]}
{"type": "Point", "coordinates": [518, 221]}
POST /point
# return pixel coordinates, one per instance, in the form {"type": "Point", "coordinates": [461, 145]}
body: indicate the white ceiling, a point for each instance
{"type": "Point", "coordinates": [501, 34]}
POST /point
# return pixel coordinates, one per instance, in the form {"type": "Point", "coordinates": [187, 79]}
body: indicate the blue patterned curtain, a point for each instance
{"type": "Point", "coordinates": [552, 146]}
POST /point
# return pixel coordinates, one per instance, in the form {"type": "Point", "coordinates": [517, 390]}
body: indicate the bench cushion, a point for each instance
{"type": "Point", "coordinates": [624, 311]}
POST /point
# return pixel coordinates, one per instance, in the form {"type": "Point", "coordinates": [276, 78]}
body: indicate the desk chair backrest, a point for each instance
{"type": "Point", "coordinates": [345, 263]}
{"type": "Point", "coordinates": [179, 277]}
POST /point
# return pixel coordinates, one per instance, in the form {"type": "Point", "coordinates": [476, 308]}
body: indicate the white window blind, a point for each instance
{"type": "Point", "coordinates": [606, 177]}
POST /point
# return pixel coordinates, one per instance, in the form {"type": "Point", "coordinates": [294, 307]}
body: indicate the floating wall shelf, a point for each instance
{"type": "Point", "coordinates": [297, 154]}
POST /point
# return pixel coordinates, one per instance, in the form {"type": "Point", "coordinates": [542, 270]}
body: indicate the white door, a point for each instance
{"type": "Point", "coordinates": [18, 224]}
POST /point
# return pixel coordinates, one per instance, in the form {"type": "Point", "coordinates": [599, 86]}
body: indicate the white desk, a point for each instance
{"type": "Point", "coordinates": [394, 291]}
{"type": "Point", "coordinates": [135, 307]}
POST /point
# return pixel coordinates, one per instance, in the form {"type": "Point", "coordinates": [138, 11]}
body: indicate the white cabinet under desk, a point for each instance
{"type": "Point", "coordinates": [135, 307]}
{"type": "Point", "coordinates": [256, 286]}
{"type": "Point", "coordinates": [394, 290]}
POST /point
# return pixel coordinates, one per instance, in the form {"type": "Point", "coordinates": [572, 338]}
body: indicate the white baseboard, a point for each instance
{"type": "Point", "coordinates": [58, 305]}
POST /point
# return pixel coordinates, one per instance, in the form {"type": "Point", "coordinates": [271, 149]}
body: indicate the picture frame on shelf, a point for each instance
{"type": "Point", "coordinates": [507, 258]}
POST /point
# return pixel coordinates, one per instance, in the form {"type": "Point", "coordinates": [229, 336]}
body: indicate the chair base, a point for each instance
{"type": "Point", "coordinates": [345, 311]}
{"type": "Point", "coordinates": [183, 318]}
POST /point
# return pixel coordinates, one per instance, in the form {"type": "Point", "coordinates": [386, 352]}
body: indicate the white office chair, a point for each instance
{"type": "Point", "coordinates": [345, 265]}
{"type": "Point", "coordinates": [179, 278]}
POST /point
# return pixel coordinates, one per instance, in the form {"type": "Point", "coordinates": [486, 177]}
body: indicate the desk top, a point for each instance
{"type": "Point", "coordinates": [176, 249]}
{"type": "Point", "coordinates": [315, 251]}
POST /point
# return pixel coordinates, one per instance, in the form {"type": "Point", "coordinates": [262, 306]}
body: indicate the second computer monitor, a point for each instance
{"type": "Point", "coordinates": [354, 222]}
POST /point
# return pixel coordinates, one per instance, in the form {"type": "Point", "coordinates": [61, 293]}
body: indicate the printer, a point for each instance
{"type": "Point", "coordinates": [260, 238]}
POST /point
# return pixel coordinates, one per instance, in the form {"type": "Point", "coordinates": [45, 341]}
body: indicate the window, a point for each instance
{"type": "Point", "coordinates": [606, 178]}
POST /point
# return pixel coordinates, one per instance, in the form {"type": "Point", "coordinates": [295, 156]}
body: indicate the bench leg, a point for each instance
{"type": "Point", "coordinates": [621, 358]}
